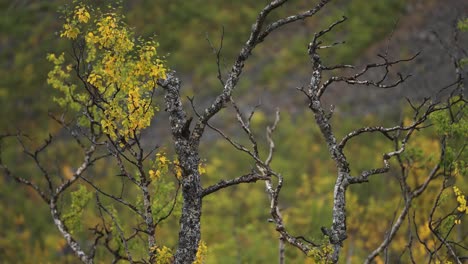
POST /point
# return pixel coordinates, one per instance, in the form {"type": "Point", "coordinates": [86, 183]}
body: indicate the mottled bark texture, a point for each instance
{"type": "Point", "coordinates": [400, 135]}
{"type": "Point", "coordinates": [187, 151]}
{"type": "Point", "coordinates": [337, 232]}
{"type": "Point", "coordinates": [186, 141]}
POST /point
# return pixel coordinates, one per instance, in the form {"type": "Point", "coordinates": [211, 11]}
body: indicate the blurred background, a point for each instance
{"type": "Point", "coordinates": [239, 232]}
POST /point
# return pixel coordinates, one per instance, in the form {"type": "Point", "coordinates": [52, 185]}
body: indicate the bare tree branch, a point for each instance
{"type": "Point", "coordinates": [247, 178]}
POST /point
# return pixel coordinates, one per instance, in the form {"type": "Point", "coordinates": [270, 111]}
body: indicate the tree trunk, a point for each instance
{"type": "Point", "coordinates": [189, 234]}
{"type": "Point", "coordinates": [187, 152]}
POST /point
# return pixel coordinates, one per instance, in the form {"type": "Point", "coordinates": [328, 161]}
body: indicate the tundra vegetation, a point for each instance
{"type": "Point", "coordinates": [315, 187]}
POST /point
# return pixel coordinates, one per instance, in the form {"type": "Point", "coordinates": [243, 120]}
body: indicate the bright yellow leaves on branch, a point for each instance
{"type": "Point", "coordinates": [160, 166]}
{"type": "Point", "coordinates": [163, 255]}
{"type": "Point", "coordinates": [70, 31]}
{"type": "Point", "coordinates": [177, 169]}
{"type": "Point", "coordinates": [461, 202]}
{"type": "Point", "coordinates": [117, 72]}
{"type": "Point", "coordinates": [82, 15]}
{"type": "Point", "coordinates": [201, 168]}
{"type": "Point", "coordinates": [71, 27]}
{"type": "Point", "coordinates": [201, 253]}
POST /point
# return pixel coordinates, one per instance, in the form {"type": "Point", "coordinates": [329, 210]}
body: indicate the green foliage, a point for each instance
{"type": "Point", "coordinates": [306, 200]}
{"type": "Point", "coordinates": [79, 200]}
{"type": "Point", "coordinates": [322, 254]}
{"type": "Point", "coordinates": [463, 24]}
{"type": "Point", "coordinates": [234, 221]}
{"type": "Point", "coordinates": [28, 31]}
{"type": "Point", "coordinates": [446, 124]}
{"type": "Point", "coordinates": [119, 72]}
{"type": "Point", "coordinates": [115, 226]}
{"type": "Point", "coordinates": [453, 124]}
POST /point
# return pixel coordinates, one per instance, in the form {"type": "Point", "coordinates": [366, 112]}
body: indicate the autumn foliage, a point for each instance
{"type": "Point", "coordinates": [114, 197]}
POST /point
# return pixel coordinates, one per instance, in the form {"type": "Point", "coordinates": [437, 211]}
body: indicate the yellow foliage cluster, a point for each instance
{"type": "Point", "coordinates": [71, 28]}
{"type": "Point", "coordinates": [70, 31]}
{"type": "Point", "coordinates": [201, 168]}
{"type": "Point", "coordinates": [201, 253]}
{"type": "Point", "coordinates": [321, 254]}
{"type": "Point", "coordinates": [163, 255]}
{"type": "Point", "coordinates": [461, 202]}
{"type": "Point", "coordinates": [120, 75]}
{"type": "Point", "coordinates": [444, 262]}
{"type": "Point", "coordinates": [160, 166]}
{"type": "Point", "coordinates": [178, 169]}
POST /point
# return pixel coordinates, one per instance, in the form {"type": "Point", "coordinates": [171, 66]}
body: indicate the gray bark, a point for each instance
{"type": "Point", "coordinates": [187, 151]}
{"type": "Point", "coordinates": [337, 233]}
{"type": "Point", "coordinates": [66, 234]}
